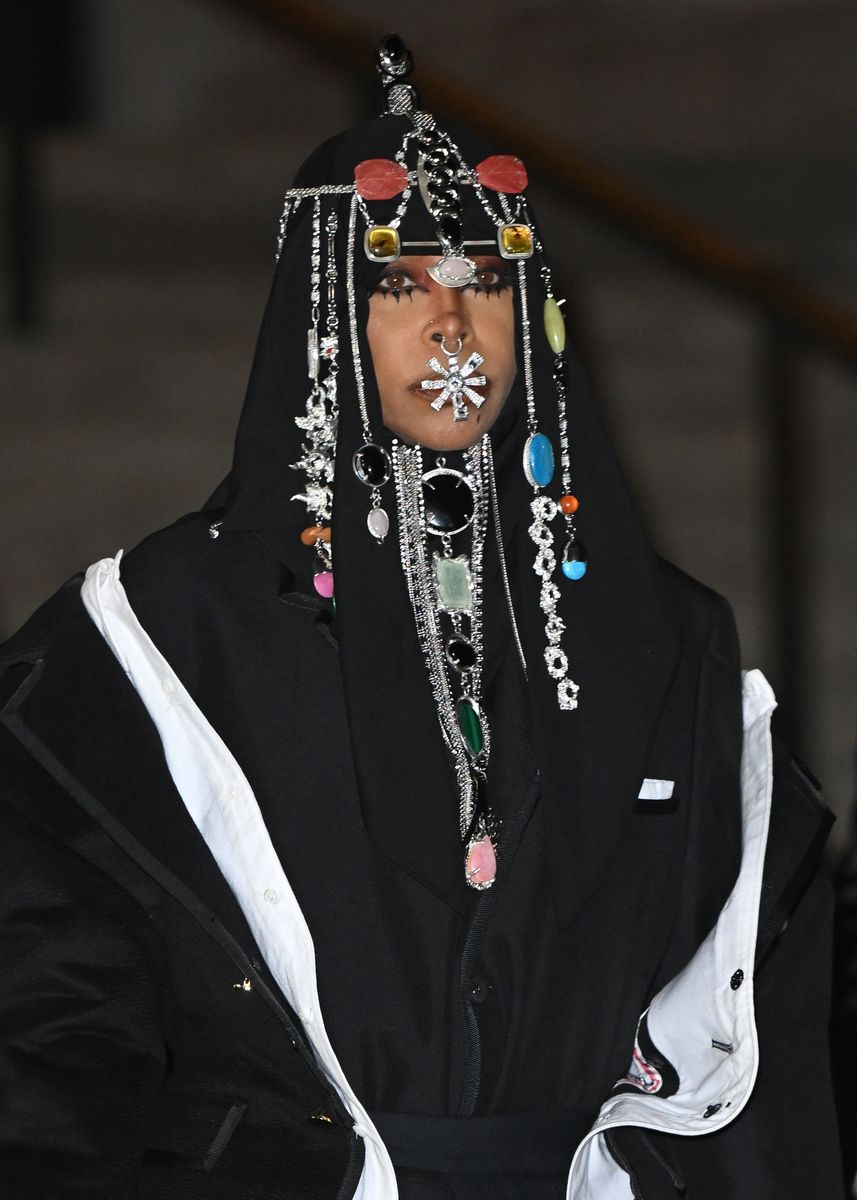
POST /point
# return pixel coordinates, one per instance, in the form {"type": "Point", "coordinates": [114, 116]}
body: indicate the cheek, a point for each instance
{"type": "Point", "coordinates": [381, 341]}
{"type": "Point", "coordinates": [502, 344]}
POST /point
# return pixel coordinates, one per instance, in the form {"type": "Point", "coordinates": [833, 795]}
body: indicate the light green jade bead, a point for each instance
{"type": "Point", "coordinates": [554, 325]}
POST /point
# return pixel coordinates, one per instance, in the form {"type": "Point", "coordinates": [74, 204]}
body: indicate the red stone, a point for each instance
{"type": "Point", "coordinates": [502, 173]}
{"type": "Point", "coordinates": [569, 504]}
{"type": "Point", "coordinates": [380, 178]}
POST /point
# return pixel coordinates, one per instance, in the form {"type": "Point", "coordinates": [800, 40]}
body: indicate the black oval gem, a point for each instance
{"type": "Point", "coordinates": [460, 654]}
{"type": "Point", "coordinates": [371, 465]}
{"type": "Point", "coordinates": [449, 230]}
{"type": "Point", "coordinates": [448, 501]}
{"type": "Point", "coordinates": [436, 187]}
{"type": "Point", "coordinates": [574, 552]}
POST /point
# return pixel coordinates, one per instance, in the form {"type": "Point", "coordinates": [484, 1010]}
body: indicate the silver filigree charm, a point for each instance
{"type": "Point", "coordinates": [456, 381]}
{"type": "Point", "coordinates": [544, 509]}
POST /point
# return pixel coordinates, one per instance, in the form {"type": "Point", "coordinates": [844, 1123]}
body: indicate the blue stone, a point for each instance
{"type": "Point", "coordinates": [574, 559]}
{"type": "Point", "coordinates": [538, 460]}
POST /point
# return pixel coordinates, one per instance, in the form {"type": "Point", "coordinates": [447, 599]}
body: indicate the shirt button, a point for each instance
{"type": "Point", "coordinates": [231, 791]}
{"type": "Point", "coordinates": [270, 894]}
{"type": "Point", "coordinates": [479, 989]}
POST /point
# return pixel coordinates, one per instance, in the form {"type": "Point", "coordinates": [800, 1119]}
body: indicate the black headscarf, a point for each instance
{"type": "Point", "coordinates": [620, 635]}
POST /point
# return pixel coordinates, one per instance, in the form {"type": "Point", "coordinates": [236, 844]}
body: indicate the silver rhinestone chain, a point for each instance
{"type": "Point", "coordinates": [417, 565]}
{"type": "Point", "coordinates": [352, 321]}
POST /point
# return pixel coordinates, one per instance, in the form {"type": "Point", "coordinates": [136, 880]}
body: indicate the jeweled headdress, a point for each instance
{"type": "Point", "coordinates": [429, 171]}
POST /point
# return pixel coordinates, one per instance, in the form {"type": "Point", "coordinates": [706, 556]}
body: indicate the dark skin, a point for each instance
{"type": "Point", "coordinates": [409, 315]}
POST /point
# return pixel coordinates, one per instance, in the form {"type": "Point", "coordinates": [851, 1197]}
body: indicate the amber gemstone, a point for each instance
{"type": "Point", "coordinates": [569, 504]}
{"type": "Point", "coordinates": [313, 533]}
{"type": "Point", "coordinates": [516, 241]}
{"type": "Point", "coordinates": [382, 243]}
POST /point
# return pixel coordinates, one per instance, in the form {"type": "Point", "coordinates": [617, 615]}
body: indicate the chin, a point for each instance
{"type": "Point", "coordinates": [443, 433]}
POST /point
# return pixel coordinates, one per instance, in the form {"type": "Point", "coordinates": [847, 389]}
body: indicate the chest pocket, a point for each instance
{"type": "Point", "coordinates": [657, 797]}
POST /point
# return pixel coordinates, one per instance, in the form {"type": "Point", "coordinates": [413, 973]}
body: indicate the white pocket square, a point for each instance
{"type": "Point", "coordinates": [656, 789]}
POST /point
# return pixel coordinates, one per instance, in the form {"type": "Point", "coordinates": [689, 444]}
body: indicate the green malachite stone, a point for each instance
{"type": "Point", "coordinates": [452, 582]}
{"type": "Point", "coordinates": [554, 325]}
{"type": "Point", "coordinates": [470, 726]}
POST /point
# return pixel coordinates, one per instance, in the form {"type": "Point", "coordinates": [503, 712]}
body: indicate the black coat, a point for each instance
{"type": "Point", "coordinates": [147, 1051]}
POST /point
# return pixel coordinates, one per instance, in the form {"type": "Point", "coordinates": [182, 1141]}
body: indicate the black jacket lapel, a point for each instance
{"type": "Point", "coordinates": [98, 743]}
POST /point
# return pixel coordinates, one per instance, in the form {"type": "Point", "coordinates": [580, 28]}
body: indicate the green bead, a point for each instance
{"type": "Point", "coordinates": [452, 583]}
{"type": "Point", "coordinates": [470, 725]}
{"type": "Point", "coordinates": [554, 325]}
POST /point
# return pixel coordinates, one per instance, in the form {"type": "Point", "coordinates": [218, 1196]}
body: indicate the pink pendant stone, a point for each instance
{"type": "Point", "coordinates": [481, 863]}
{"type": "Point", "coordinates": [323, 583]}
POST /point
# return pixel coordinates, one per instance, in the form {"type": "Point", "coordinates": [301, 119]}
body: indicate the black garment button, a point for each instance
{"type": "Point", "coordinates": [479, 989]}
{"type": "Point", "coordinates": [736, 980]}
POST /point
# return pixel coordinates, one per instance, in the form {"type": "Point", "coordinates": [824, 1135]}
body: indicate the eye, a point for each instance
{"type": "Point", "coordinates": [396, 282]}
{"type": "Point", "coordinates": [491, 280]}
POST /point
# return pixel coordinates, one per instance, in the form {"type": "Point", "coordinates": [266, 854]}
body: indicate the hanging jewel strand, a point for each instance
{"type": "Point", "coordinates": [446, 590]}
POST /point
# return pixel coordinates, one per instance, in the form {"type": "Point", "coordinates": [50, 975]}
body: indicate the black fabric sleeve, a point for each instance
{"type": "Point", "coordinates": [81, 1043]}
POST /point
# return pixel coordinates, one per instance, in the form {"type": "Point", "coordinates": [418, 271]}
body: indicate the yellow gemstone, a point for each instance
{"type": "Point", "coordinates": [554, 325]}
{"type": "Point", "coordinates": [382, 243]}
{"type": "Point", "coordinates": [516, 241]}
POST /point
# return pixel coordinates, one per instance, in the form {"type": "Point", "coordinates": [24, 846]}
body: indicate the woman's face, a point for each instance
{"type": "Point", "coordinates": [411, 317]}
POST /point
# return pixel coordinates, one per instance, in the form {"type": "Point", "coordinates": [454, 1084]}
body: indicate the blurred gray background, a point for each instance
{"type": "Point", "coordinates": [153, 199]}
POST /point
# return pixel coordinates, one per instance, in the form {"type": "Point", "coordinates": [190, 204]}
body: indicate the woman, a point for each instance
{"type": "Point", "coordinates": [360, 840]}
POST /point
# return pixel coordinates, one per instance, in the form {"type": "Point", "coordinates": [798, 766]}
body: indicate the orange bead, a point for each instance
{"type": "Point", "coordinates": [569, 504]}
{"type": "Point", "coordinates": [314, 533]}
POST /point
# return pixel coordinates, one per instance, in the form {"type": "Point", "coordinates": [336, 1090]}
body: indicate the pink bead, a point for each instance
{"type": "Point", "coordinates": [481, 864]}
{"type": "Point", "coordinates": [323, 583]}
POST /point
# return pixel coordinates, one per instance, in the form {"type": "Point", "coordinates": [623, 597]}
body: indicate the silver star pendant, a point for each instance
{"type": "Point", "coordinates": [456, 384]}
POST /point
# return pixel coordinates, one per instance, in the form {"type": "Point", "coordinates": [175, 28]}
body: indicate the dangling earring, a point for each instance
{"type": "Point", "coordinates": [320, 421]}
{"type": "Point", "coordinates": [539, 467]}
{"type": "Point", "coordinates": [370, 462]}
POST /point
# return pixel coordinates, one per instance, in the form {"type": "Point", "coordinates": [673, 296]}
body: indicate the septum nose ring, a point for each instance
{"type": "Point", "coordinates": [451, 353]}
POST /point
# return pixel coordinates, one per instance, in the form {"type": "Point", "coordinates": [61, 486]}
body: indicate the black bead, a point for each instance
{"type": "Point", "coordinates": [449, 230]}
{"type": "Point", "coordinates": [461, 654]}
{"type": "Point", "coordinates": [393, 56]}
{"type": "Point", "coordinates": [439, 155]}
{"type": "Point", "coordinates": [574, 552]}
{"type": "Point", "coordinates": [371, 465]}
{"type": "Point", "coordinates": [448, 501]}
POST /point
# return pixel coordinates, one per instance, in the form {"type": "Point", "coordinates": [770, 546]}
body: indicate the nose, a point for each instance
{"type": "Point", "coordinates": [448, 319]}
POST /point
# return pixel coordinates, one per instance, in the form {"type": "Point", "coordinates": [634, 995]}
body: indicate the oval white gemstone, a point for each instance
{"type": "Point", "coordinates": [378, 523]}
